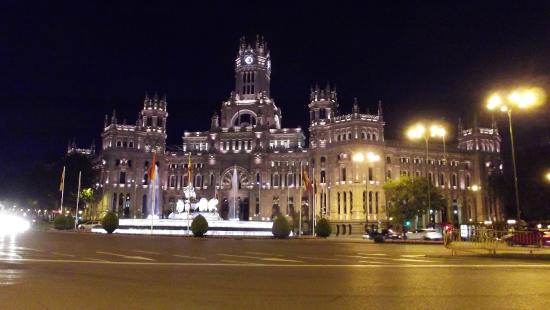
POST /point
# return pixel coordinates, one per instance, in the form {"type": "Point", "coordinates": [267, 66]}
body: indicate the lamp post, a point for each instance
{"type": "Point", "coordinates": [369, 158]}
{"type": "Point", "coordinates": [419, 131]}
{"type": "Point", "coordinates": [521, 99]}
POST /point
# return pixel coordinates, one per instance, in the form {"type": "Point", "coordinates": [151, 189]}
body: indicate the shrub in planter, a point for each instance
{"type": "Point", "coordinates": [379, 238]}
{"type": "Point", "coordinates": [199, 226]}
{"type": "Point", "coordinates": [281, 228]}
{"type": "Point", "coordinates": [70, 222]}
{"type": "Point", "coordinates": [323, 228]}
{"type": "Point", "coordinates": [60, 222]}
{"type": "Point", "coordinates": [109, 222]}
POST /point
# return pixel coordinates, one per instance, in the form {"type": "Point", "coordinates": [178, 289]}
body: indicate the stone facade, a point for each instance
{"type": "Point", "coordinates": [247, 135]}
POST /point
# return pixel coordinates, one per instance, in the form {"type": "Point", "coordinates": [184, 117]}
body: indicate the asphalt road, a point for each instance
{"type": "Point", "coordinates": [49, 270]}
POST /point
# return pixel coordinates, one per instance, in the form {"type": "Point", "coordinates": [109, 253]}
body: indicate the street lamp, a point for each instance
{"type": "Point", "coordinates": [547, 176]}
{"type": "Point", "coordinates": [419, 131]}
{"type": "Point", "coordinates": [521, 99]}
{"type": "Point", "coordinates": [369, 158]}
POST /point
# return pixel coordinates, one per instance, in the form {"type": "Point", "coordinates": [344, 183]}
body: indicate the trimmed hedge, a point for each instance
{"type": "Point", "coordinates": [60, 222]}
{"type": "Point", "coordinates": [323, 228]}
{"type": "Point", "coordinates": [281, 227]}
{"type": "Point", "coordinates": [199, 226]}
{"type": "Point", "coordinates": [110, 222]}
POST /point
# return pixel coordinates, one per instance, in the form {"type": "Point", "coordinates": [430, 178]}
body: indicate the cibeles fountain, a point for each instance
{"type": "Point", "coordinates": [179, 221]}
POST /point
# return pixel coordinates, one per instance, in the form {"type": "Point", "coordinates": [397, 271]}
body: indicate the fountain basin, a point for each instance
{"type": "Point", "coordinates": [179, 227]}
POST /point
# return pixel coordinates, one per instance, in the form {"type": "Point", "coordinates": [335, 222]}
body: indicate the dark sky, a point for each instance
{"type": "Point", "coordinates": [64, 65]}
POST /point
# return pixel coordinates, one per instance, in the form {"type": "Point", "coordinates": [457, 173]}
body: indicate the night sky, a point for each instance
{"type": "Point", "coordinates": [63, 66]}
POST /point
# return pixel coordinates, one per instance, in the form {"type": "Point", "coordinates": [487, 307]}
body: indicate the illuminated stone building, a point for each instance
{"type": "Point", "coordinates": [247, 135]}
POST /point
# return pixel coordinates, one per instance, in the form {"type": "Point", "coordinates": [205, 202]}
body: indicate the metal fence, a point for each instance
{"type": "Point", "coordinates": [472, 239]}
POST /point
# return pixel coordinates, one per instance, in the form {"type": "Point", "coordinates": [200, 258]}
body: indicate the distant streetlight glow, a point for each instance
{"type": "Point", "coordinates": [521, 98]}
{"type": "Point", "coordinates": [419, 131]}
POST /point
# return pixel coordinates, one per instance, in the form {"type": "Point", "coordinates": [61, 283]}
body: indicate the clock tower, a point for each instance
{"type": "Point", "coordinates": [252, 70]}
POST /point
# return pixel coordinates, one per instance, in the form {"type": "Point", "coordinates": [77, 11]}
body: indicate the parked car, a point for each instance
{"type": "Point", "coordinates": [525, 238]}
{"type": "Point", "coordinates": [425, 234]}
{"type": "Point", "coordinates": [391, 234]}
{"type": "Point", "coordinates": [88, 225]}
{"type": "Point", "coordinates": [546, 238]}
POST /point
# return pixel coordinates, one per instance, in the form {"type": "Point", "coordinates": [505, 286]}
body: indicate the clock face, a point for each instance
{"type": "Point", "coordinates": [248, 59]}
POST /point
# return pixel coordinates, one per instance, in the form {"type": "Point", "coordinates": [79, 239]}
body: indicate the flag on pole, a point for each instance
{"type": "Point", "coordinates": [152, 175]}
{"type": "Point", "coordinates": [62, 184]}
{"type": "Point", "coordinates": [306, 180]}
{"type": "Point", "coordinates": [190, 169]}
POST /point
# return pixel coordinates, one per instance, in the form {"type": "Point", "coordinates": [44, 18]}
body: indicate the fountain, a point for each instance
{"type": "Point", "coordinates": [179, 221]}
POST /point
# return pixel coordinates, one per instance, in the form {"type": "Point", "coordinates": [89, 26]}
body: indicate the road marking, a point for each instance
{"type": "Point", "coordinates": [320, 258]}
{"type": "Point", "coordinates": [96, 259]}
{"type": "Point", "coordinates": [230, 261]}
{"type": "Point", "coordinates": [367, 257]}
{"type": "Point", "coordinates": [30, 249]}
{"type": "Point", "coordinates": [372, 262]}
{"type": "Point", "coordinates": [125, 256]}
{"type": "Point", "coordinates": [63, 254]}
{"type": "Point", "coordinates": [413, 255]}
{"type": "Point", "coordinates": [190, 257]}
{"type": "Point", "coordinates": [147, 252]}
{"type": "Point", "coordinates": [372, 254]}
{"type": "Point", "coordinates": [413, 260]}
{"type": "Point", "coordinates": [238, 256]}
{"type": "Point", "coordinates": [275, 259]}
{"type": "Point", "coordinates": [247, 264]}
{"type": "Point", "coordinates": [262, 253]}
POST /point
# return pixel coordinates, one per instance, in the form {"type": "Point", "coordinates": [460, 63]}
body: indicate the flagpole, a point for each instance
{"type": "Point", "coordinates": [300, 215]}
{"type": "Point", "coordinates": [313, 202]}
{"type": "Point", "coordinates": [62, 189]}
{"type": "Point", "coordinates": [77, 198]}
{"type": "Point", "coordinates": [153, 196]}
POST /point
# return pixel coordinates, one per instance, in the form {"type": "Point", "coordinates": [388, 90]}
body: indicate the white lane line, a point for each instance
{"type": "Point", "coordinates": [125, 256]}
{"type": "Point", "coordinates": [413, 255]}
{"type": "Point", "coordinates": [273, 259]}
{"type": "Point", "coordinates": [230, 261]}
{"type": "Point", "coordinates": [263, 253]}
{"type": "Point", "coordinates": [364, 257]}
{"type": "Point", "coordinates": [63, 254]}
{"type": "Point", "coordinates": [413, 260]}
{"type": "Point", "coordinates": [190, 257]}
{"type": "Point", "coordinates": [96, 259]}
{"type": "Point", "coordinates": [30, 249]}
{"type": "Point", "coordinates": [238, 256]}
{"type": "Point", "coordinates": [372, 254]}
{"type": "Point", "coordinates": [147, 252]}
{"type": "Point", "coordinates": [320, 258]}
{"type": "Point", "coordinates": [247, 264]}
{"type": "Point", "coordinates": [276, 259]}
{"type": "Point", "coordinates": [372, 262]}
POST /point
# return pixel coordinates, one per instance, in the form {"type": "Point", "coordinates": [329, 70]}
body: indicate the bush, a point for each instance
{"type": "Point", "coordinates": [379, 238]}
{"type": "Point", "coordinates": [60, 222]}
{"type": "Point", "coordinates": [323, 228]}
{"type": "Point", "coordinates": [109, 222]}
{"type": "Point", "coordinates": [199, 226]}
{"type": "Point", "coordinates": [70, 222]}
{"type": "Point", "coordinates": [281, 228]}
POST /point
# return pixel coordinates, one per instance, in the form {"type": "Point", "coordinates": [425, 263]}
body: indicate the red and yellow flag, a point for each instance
{"type": "Point", "coordinates": [305, 179]}
{"type": "Point", "coordinates": [152, 174]}
{"type": "Point", "coordinates": [190, 168]}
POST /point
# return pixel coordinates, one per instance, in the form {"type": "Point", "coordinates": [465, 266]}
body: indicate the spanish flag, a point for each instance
{"type": "Point", "coordinates": [152, 175]}
{"type": "Point", "coordinates": [305, 179]}
{"type": "Point", "coordinates": [190, 169]}
{"type": "Point", "coordinates": [62, 184]}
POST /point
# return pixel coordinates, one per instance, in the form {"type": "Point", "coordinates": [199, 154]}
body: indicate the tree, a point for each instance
{"type": "Point", "coordinates": [407, 199]}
